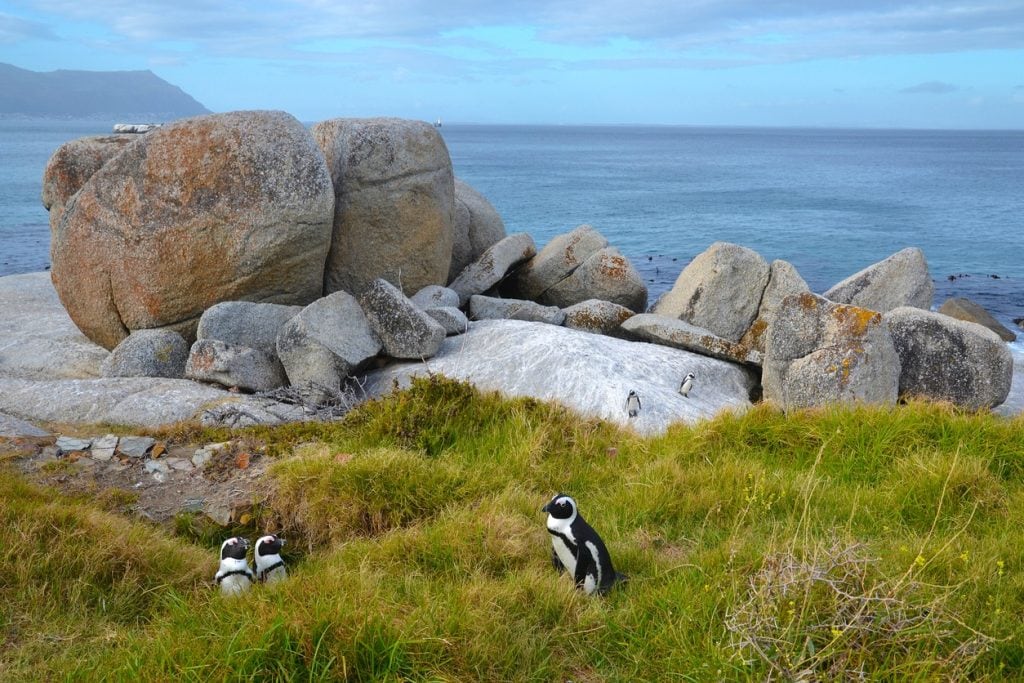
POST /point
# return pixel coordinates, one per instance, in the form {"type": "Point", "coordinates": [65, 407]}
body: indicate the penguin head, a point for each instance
{"type": "Point", "coordinates": [560, 507]}
{"type": "Point", "coordinates": [632, 393]}
{"type": "Point", "coordinates": [269, 545]}
{"type": "Point", "coordinates": [234, 548]}
{"type": "Point", "coordinates": [690, 375]}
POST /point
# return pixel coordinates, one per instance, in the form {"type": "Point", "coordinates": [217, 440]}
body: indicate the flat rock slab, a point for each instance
{"type": "Point", "coordinates": [37, 338]}
{"type": "Point", "coordinates": [588, 373]}
{"type": "Point", "coordinates": [130, 401]}
{"type": "Point", "coordinates": [680, 334]}
{"type": "Point", "coordinates": [13, 428]}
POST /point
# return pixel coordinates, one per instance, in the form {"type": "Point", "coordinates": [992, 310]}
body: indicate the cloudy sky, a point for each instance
{"type": "Point", "coordinates": [888, 63]}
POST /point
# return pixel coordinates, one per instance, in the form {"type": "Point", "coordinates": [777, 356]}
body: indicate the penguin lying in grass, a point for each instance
{"type": "Point", "coordinates": [234, 576]}
{"type": "Point", "coordinates": [575, 546]}
{"type": "Point", "coordinates": [269, 565]}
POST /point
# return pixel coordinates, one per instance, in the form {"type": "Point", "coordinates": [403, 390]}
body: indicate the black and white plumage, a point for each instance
{"type": "Point", "coordinates": [576, 547]}
{"type": "Point", "coordinates": [234, 575]}
{"type": "Point", "coordinates": [269, 565]}
{"type": "Point", "coordinates": [632, 404]}
{"type": "Point", "coordinates": [687, 384]}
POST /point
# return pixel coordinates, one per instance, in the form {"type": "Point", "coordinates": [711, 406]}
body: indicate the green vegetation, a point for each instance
{"type": "Point", "coordinates": [828, 545]}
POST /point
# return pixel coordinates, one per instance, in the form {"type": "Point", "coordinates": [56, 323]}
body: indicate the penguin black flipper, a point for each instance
{"type": "Point", "coordinates": [584, 565]}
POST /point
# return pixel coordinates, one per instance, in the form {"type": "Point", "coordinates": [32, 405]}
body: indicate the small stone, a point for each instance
{"type": "Point", "coordinates": [103, 448]}
{"type": "Point", "coordinates": [67, 444]}
{"type": "Point", "coordinates": [154, 466]}
{"type": "Point", "coordinates": [180, 464]}
{"type": "Point", "coordinates": [451, 319]}
{"type": "Point", "coordinates": [158, 449]}
{"type": "Point", "coordinates": [435, 296]}
{"type": "Point", "coordinates": [201, 457]}
{"type": "Point", "coordinates": [135, 446]}
{"type": "Point", "coordinates": [193, 505]}
{"type": "Point", "coordinates": [219, 514]}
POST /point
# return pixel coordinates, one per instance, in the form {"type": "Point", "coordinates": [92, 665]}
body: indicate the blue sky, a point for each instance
{"type": "Point", "coordinates": [872, 63]}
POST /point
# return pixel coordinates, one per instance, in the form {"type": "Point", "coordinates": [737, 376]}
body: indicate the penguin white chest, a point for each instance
{"type": "Point", "coordinates": [561, 533]}
{"type": "Point", "coordinates": [235, 584]}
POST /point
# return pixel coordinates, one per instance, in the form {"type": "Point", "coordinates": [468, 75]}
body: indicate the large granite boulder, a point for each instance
{"type": "Point", "coordinates": [720, 291]}
{"type": "Point", "coordinates": [74, 163]}
{"type": "Point", "coordinates": [476, 227]}
{"type": "Point", "coordinates": [492, 266]}
{"type": "Point", "coordinates": [148, 353]}
{"type": "Point", "coordinates": [783, 281]}
{"type": "Point", "coordinates": [39, 339]}
{"type": "Point", "coordinates": [394, 203]}
{"type": "Point", "coordinates": [597, 316]}
{"type": "Point", "coordinates": [405, 330]}
{"type": "Point", "coordinates": [946, 359]}
{"type": "Point", "coordinates": [492, 308]}
{"type": "Point", "coordinates": [819, 352]}
{"type": "Point", "coordinates": [452, 319]}
{"type": "Point", "coordinates": [679, 334]}
{"type": "Point", "coordinates": [557, 260]}
{"type": "Point", "coordinates": [14, 428]}
{"type": "Point", "coordinates": [244, 323]}
{"type": "Point", "coordinates": [231, 365]}
{"type": "Point", "coordinates": [223, 207]}
{"type": "Point", "coordinates": [589, 373]}
{"type": "Point", "coordinates": [327, 342]}
{"type": "Point", "coordinates": [435, 296]}
{"type": "Point", "coordinates": [607, 275]}
{"type": "Point", "coordinates": [899, 280]}
{"type": "Point", "coordinates": [965, 309]}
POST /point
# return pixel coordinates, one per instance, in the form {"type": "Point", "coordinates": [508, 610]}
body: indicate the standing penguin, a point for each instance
{"type": "Point", "coordinates": [575, 546]}
{"type": "Point", "coordinates": [234, 576]}
{"type": "Point", "coordinates": [687, 384]}
{"type": "Point", "coordinates": [269, 565]}
{"type": "Point", "coordinates": [633, 404]}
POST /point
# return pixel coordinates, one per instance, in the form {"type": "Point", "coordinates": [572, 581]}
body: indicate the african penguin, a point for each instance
{"type": "Point", "coordinates": [575, 546]}
{"type": "Point", "coordinates": [269, 565]}
{"type": "Point", "coordinates": [633, 404]}
{"type": "Point", "coordinates": [234, 576]}
{"type": "Point", "coordinates": [687, 384]}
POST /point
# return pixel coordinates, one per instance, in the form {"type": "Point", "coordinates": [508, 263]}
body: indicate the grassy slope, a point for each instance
{"type": "Point", "coordinates": [758, 546]}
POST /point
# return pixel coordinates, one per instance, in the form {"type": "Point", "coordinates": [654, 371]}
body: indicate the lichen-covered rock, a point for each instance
{"type": "Point", "coordinates": [405, 331]}
{"type": "Point", "coordinates": [607, 275]}
{"type": "Point", "coordinates": [489, 308]}
{"type": "Point", "coordinates": [74, 163]}
{"type": "Point", "coordinates": [477, 227]}
{"type": "Point", "coordinates": [394, 203]}
{"type": "Point", "coordinates": [557, 260]}
{"type": "Point", "coordinates": [230, 365]}
{"type": "Point", "coordinates": [946, 359]}
{"type": "Point", "coordinates": [216, 208]}
{"type": "Point", "coordinates": [597, 316]}
{"type": "Point", "coordinates": [244, 323]}
{"type": "Point", "coordinates": [783, 281]}
{"type": "Point", "coordinates": [819, 352]}
{"type": "Point", "coordinates": [899, 280]}
{"type": "Point", "coordinates": [328, 341]}
{"type": "Point", "coordinates": [492, 266]}
{"type": "Point", "coordinates": [450, 318]}
{"type": "Point", "coordinates": [148, 353]}
{"type": "Point", "coordinates": [965, 309]}
{"type": "Point", "coordinates": [720, 291]}
{"type": "Point", "coordinates": [435, 296]}
{"type": "Point", "coordinates": [679, 334]}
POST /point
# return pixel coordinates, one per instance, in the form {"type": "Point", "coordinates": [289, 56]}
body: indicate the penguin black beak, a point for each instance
{"type": "Point", "coordinates": [547, 507]}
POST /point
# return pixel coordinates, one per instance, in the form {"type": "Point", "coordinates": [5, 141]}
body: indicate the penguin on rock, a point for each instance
{"type": "Point", "coordinates": [687, 384]}
{"type": "Point", "coordinates": [632, 404]}
{"type": "Point", "coordinates": [576, 547]}
{"type": "Point", "coordinates": [234, 575]}
{"type": "Point", "coordinates": [269, 565]}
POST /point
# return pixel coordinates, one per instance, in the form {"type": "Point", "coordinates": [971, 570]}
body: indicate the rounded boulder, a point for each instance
{"type": "Point", "coordinates": [224, 207]}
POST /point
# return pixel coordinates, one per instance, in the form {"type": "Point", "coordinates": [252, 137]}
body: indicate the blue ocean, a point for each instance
{"type": "Point", "coordinates": [829, 201]}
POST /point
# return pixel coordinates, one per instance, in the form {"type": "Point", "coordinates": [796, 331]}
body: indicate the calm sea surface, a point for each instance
{"type": "Point", "coordinates": [829, 201]}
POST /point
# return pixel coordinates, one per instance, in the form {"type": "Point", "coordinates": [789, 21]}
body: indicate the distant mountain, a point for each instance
{"type": "Point", "coordinates": [86, 94]}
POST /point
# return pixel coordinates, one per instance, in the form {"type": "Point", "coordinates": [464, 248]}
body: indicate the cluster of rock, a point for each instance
{"type": "Point", "coordinates": [244, 250]}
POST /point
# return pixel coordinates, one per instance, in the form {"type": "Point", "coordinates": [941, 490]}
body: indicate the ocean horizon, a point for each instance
{"type": "Point", "coordinates": [829, 200]}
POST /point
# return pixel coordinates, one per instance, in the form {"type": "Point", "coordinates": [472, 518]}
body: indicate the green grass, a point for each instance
{"type": "Point", "coordinates": [831, 545]}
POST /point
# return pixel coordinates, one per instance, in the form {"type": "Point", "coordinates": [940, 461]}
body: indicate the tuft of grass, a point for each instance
{"type": "Point", "coordinates": [889, 535]}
